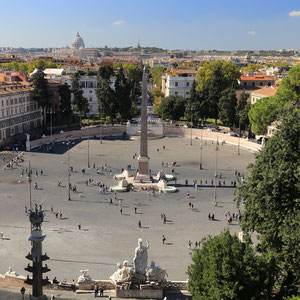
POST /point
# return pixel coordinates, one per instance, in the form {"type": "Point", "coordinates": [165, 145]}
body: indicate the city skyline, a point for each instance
{"type": "Point", "coordinates": [169, 24]}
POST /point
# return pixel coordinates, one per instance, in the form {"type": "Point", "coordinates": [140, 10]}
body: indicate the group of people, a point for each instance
{"type": "Point", "coordinates": [197, 244]}
{"type": "Point", "coordinates": [233, 217]}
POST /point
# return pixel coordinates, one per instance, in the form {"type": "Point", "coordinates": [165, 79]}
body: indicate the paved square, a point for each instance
{"type": "Point", "coordinates": [107, 236]}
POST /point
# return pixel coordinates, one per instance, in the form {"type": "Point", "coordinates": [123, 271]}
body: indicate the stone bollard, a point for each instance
{"type": "Point", "coordinates": [1, 235]}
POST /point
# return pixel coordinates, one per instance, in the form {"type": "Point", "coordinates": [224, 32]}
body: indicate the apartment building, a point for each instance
{"type": "Point", "coordinates": [262, 93]}
{"type": "Point", "coordinates": [18, 112]}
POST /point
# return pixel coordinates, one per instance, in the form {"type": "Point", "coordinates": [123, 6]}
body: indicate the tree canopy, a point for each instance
{"type": "Point", "coordinates": [271, 199]}
{"type": "Point", "coordinates": [171, 107]}
{"type": "Point", "coordinates": [227, 107]}
{"type": "Point", "coordinates": [65, 94]}
{"type": "Point", "coordinates": [156, 73]}
{"type": "Point", "coordinates": [225, 268]}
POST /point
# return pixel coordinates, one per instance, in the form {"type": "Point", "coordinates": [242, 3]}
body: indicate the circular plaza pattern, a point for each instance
{"type": "Point", "coordinates": [107, 236]}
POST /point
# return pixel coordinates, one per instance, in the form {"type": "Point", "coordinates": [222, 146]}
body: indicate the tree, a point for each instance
{"type": "Point", "coordinates": [262, 113]}
{"type": "Point", "coordinates": [213, 79]}
{"type": "Point", "coordinates": [156, 74]}
{"type": "Point", "coordinates": [225, 268]}
{"type": "Point", "coordinates": [271, 199]}
{"type": "Point", "coordinates": [171, 107]}
{"type": "Point", "coordinates": [41, 93]}
{"type": "Point", "coordinates": [107, 100]}
{"type": "Point", "coordinates": [289, 89]}
{"type": "Point", "coordinates": [80, 102]}
{"type": "Point", "coordinates": [157, 95]}
{"type": "Point", "coordinates": [227, 107]}
{"type": "Point", "coordinates": [195, 104]}
{"type": "Point", "coordinates": [65, 95]}
{"type": "Point", "coordinates": [242, 109]}
{"type": "Point", "coordinates": [122, 91]}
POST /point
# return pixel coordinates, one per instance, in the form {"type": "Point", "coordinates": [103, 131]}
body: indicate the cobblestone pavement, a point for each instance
{"type": "Point", "coordinates": [108, 237]}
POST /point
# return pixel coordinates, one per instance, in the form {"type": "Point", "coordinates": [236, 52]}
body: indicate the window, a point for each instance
{"type": "Point", "coordinates": [90, 85]}
{"type": "Point", "coordinates": [91, 91]}
{"type": "Point", "coordinates": [187, 93]}
{"type": "Point", "coordinates": [253, 83]}
{"type": "Point", "coordinates": [11, 101]}
{"type": "Point", "coordinates": [20, 100]}
{"type": "Point", "coordinates": [261, 83]}
{"type": "Point", "coordinates": [245, 83]}
{"type": "Point", "coordinates": [176, 93]}
{"type": "Point", "coordinates": [27, 98]}
{"type": "Point", "coordinates": [20, 110]}
{"type": "Point", "coordinates": [16, 100]}
{"type": "Point", "coordinates": [27, 107]}
{"type": "Point", "coordinates": [2, 113]}
{"type": "Point", "coordinates": [82, 84]}
{"type": "Point", "coordinates": [176, 83]}
{"type": "Point", "coordinates": [91, 99]}
{"type": "Point", "coordinates": [2, 102]}
{"type": "Point", "coordinates": [7, 112]}
{"type": "Point", "coordinates": [16, 110]}
{"type": "Point", "coordinates": [187, 84]}
{"type": "Point", "coordinates": [269, 83]}
{"type": "Point", "coordinates": [23, 99]}
{"type": "Point", "coordinates": [7, 102]}
{"type": "Point", "coordinates": [11, 112]}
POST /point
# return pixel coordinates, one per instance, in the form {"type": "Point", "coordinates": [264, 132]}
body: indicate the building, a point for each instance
{"type": "Point", "coordinates": [88, 84]}
{"type": "Point", "coordinates": [19, 113]}
{"type": "Point", "coordinates": [177, 85]}
{"type": "Point", "coordinates": [262, 93]}
{"type": "Point", "coordinates": [256, 81]}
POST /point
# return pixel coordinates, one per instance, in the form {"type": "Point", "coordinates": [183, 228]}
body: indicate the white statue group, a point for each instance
{"type": "Point", "coordinates": [139, 273]}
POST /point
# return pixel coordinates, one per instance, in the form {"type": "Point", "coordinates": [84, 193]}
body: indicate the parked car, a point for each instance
{"type": "Point", "coordinates": [232, 134]}
{"type": "Point", "coordinates": [260, 140]}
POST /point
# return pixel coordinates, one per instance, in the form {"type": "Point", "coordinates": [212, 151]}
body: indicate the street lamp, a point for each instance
{"type": "Point", "coordinates": [100, 115]}
{"type": "Point", "coordinates": [29, 177]}
{"type": "Point", "coordinates": [216, 173]}
{"type": "Point", "coordinates": [200, 165]}
{"type": "Point", "coordinates": [51, 125]}
{"type": "Point", "coordinates": [192, 125]}
{"type": "Point", "coordinates": [239, 114]}
{"type": "Point", "coordinates": [88, 151]}
{"type": "Point", "coordinates": [69, 191]}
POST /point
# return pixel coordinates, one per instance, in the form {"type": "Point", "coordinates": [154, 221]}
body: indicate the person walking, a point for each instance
{"type": "Point", "coordinates": [140, 224]}
{"type": "Point", "coordinates": [121, 210]}
{"type": "Point", "coordinates": [96, 290]}
{"type": "Point", "coordinates": [79, 225]}
{"type": "Point", "coordinates": [135, 210]}
{"type": "Point", "coordinates": [163, 239]}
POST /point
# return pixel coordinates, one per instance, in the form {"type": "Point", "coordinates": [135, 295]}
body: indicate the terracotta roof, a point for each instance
{"type": "Point", "coordinates": [258, 78]}
{"type": "Point", "coordinates": [266, 92]}
{"type": "Point", "coordinates": [7, 89]}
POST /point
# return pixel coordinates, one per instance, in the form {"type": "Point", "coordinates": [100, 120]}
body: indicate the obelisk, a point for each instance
{"type": "Point", "coordinates": [143, 159]}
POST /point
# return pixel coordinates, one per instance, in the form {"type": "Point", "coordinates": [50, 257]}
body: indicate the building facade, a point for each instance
{"type": "Point", "coordinates": [177, 86]}
{"type": "Point", "coordinates": [262, 93]}
{"type": "Point", "coordinates": [88, 84]}
{"type": "Point", "coordinates": [19, 113]}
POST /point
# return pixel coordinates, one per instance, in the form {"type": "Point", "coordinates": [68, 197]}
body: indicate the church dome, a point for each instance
{"type": "Point", "coordinates": [77, 42]}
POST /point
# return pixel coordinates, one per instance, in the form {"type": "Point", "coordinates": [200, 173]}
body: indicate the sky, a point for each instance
{"type": "Point", "coordinates": [168, 24]}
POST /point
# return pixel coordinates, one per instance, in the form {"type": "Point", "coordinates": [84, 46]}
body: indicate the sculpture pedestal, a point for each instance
{"type": "Point", "coordinates": [140, 294]}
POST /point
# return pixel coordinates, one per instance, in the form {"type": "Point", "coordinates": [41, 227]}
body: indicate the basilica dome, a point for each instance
{"type": "Point", "coordinates": [77, 42]}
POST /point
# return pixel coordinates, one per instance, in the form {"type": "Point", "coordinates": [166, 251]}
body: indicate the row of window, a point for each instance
{"type": "Point", "coordinates": [187, 84]}
{"type": "Point", "coordinates": [11, 112]}
{"type": "Point", "coordinates": [253, 83]}
{"type": "Point", "coordinates": [13, 101]}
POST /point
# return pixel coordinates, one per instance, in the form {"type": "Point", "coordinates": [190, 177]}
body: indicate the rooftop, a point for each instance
{"type": "Point", "coordinates": [266, 91]}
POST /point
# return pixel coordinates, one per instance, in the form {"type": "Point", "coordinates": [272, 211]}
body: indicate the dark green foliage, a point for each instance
{"type": "Point", "coordinates": [172, 107]}
{"type": "Point", "coordinates": [271, 199]}
{"type": "Point", "coordinates": [41, 92]}
{"type": "Point", "coordinates": [65, 94]}
{"type": "Point", "coordinates": [227, 104]}
{"type": "Point", "coordinates": [108, 102]}
{"type": "Point", "coordinates": [242, 110]}
{"type": "Point", "coordinates": [225, 268]}
{"type": "Point", "coordinates": [80, 102]}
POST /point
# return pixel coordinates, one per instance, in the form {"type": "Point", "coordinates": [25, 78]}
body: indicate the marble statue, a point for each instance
{"type": "Point", "coordinates": [84, 277]}
{"type": "Point", "coordinates": [11, 272]}
{"type": "Point", "coordinates": [141, 257]}
{"type": "Point", "coordinates": [156, 273]}
{"type": "Point", "coordinates": [115, 277]}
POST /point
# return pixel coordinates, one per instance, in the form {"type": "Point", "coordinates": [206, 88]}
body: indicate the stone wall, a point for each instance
{"type": "Point", "coordinates": [74, 134]}
{"type": "Point", "coordinates": [210, 135]}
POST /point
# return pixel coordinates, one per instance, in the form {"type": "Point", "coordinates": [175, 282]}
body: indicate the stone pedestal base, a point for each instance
{"type": "Point", "coordinates": [143, 167]}
{"type": "Point", "coordinates": [143, 178]}
{"type": "Point", "coordinates": [140, 294]}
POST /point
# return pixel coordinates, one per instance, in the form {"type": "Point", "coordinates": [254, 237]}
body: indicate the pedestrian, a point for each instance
{"type": "Point", "coordinates": [110, 201]}
{"type": "Point", "coordinates": [96, 290]}
{"type": "Point", "coordinates": [192, 207]}
{"type": "Point", "coordinates": [52, 209]}
{"type": "Point", "coordinates": [213, 217]}
{"type": "Point", "coordinates": [79, 225]}
{"type": "Point", "coordinates": [115, 195]}
{"type": "Point", "coordinates": [135, 210]}
{"type": "Point", "coordinates": [60, 215]}
{"type": "Point", "coordinates": [56, 214]}
{"type": "Point", "coordinates": [42, 173]}
{"type": "Point", "coordinates": [25, 209]}
{"type": "Point", "coordinates": [73, 286]}
{"type": "Point", "coordinates": [140, 224]}
{"type": "Point", "coordinates": [164, 147]}
{"type": "Point", "coordinates": [101, 291]}
{"type": "Point", "coordinates": [196, 244]}
{"type": "Point", "coordinates": [121, 210]}
{"type": "Point", "coordinates": [163, 239]}
{"type": "Point", "coordinates": [188, 195]}
{"type": "Point", "coordinates": [190, 244]}
{"type": "Point", "coordinates": [209, 216]}
{"type": "Point", "coordinates": [212, 182]}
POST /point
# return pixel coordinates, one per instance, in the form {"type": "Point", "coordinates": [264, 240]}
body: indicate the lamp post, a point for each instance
{"type": "Point", "coordinates": [216, 173]}
{"type": "Point", "coordinates": [88, 151]}
{"type": "Point", "coordinates": [192, 125]}
{"type": "Point", "coordinates": [29, 177]}
{"type": "Point", "coordinates": [239, 114]}
{"type": "Point", "coordinates": [69, 191]}
{"type": "Point", "coordinates": [51, 124]}
{"type": "Point", "coordinates": [100, 124]}
{"type": "Point", "coordinates": [200, 165]}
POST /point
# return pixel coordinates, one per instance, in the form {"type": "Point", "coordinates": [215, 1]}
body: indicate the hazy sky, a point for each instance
{"type": "Point", "coordinates": [170, 24]}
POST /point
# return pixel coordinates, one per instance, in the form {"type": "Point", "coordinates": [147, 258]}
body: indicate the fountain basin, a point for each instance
{"type": "Point", "coordinates": [169, 189]}
{"type": "Point", "coordinates": [116, 188]}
